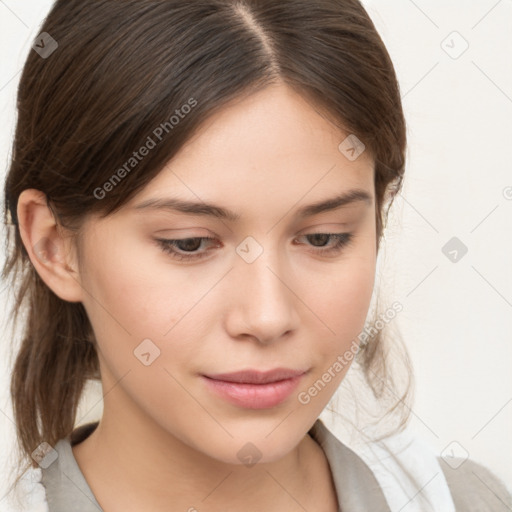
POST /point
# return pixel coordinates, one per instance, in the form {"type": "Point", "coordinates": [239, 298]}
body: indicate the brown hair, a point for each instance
{"type": "Point", "coordinates": [121, 70]}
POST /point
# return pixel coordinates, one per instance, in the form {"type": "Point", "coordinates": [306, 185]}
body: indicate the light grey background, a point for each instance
{"type": "Point", "coordinates": [457, 317]}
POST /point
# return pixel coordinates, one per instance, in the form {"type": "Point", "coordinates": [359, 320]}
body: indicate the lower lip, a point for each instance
{"type": "Point", "coordinates": [254, 396]}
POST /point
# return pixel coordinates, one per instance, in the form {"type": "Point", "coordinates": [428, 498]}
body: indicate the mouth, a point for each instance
{"type": "Point", "coordinates": [253, 389]}
{"type": "Point", "coordinates": [257, 376]}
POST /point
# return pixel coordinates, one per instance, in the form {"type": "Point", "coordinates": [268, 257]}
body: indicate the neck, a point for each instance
{"type": "Point", "coordinates": [144, 467]}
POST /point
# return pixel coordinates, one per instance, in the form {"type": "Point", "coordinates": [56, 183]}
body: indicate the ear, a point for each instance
{"type": "Point", "coordinates": [50, 251]}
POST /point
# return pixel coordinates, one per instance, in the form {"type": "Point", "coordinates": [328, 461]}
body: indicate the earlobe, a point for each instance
{"type": "Point", "coordinates": [49, 251]}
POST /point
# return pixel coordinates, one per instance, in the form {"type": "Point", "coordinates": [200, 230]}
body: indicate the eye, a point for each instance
{"type": "Point", "coordinates": [185, 248]}
{"type": "Point", "coordinates": [184, 244]}
{"type": "Point", "coordinates": [341, 240]}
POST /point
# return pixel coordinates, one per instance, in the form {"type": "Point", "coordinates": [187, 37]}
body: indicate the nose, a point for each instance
{"type": "Point", "coordinates": [263, 305]}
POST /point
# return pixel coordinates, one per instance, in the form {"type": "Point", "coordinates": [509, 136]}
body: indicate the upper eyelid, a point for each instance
{"type": "Point", "coordinates": [214, 240]}
{"type": "Point", "coordinates": [305, 233]}
{"type": "Point", "coordinates": [320, 228]}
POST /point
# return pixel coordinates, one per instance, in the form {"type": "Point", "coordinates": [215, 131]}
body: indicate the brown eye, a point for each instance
{"type": "Point", "coordinates": [187, 247]}
{"type": "Point", "coordinates": [341, 240]}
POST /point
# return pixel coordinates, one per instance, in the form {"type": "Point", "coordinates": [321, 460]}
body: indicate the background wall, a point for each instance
{"type": "Point", "coordinates": [454, 65]}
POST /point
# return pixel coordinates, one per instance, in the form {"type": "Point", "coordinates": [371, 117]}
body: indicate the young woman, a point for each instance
{"type": "Point", "coordinates": [195, 203]}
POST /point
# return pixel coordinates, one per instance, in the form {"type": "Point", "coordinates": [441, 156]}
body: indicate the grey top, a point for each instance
{"type": "Point", "coordinates": [65, 485]}
{"type": "Point", "coordinates": [474, 488]}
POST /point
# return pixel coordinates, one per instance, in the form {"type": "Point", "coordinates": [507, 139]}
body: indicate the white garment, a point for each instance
{"type": "Point", "coordinates": [408, 471]}
{"type": "Point", "coordinates": [29, 496]}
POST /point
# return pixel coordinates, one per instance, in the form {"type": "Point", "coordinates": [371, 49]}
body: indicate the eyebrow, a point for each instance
{"type": "Point", "coordinates": [212, 210]}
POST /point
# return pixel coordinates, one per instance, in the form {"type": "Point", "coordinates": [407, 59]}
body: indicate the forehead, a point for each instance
{"type": "Point", "coordinates": [269, 149]}
{"type": "Point", "coordinates": [267, 126]}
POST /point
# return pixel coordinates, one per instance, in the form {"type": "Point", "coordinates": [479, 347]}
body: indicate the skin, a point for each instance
{"type": "Point", "coordinates": [164, 438]}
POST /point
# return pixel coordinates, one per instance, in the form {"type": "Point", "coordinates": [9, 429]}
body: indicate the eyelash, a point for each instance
{"type": "Point", "coordinates": [342, 240]}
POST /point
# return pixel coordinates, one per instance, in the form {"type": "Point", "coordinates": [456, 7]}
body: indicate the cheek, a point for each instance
{"type": "Point", "coordinates": [129, 284]}
{"type": "Point", "coordinates": [354, 294]}
{"type": "Point", "coordinates": [343, 307]}
{"type": "Point", "coordinates": [342, 295]}
{"type": "Point", "coordinates": [134, 297]}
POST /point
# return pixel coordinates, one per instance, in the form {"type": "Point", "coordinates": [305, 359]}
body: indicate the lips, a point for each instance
{"type": "Point", "coordinates": [253, 389]}
{"type": "Point", "coordinates": [256, 376]}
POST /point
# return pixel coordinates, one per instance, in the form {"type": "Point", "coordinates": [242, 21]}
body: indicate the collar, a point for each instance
{"type": "Point", "coordinates": [356, 487]}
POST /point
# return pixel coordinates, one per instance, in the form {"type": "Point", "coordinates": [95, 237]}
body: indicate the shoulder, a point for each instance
{"type": "Point", "coordinates": [474, 487]}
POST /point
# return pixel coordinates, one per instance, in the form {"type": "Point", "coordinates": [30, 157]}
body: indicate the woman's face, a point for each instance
{"type": "Point", "coordinates": [269, 290]}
